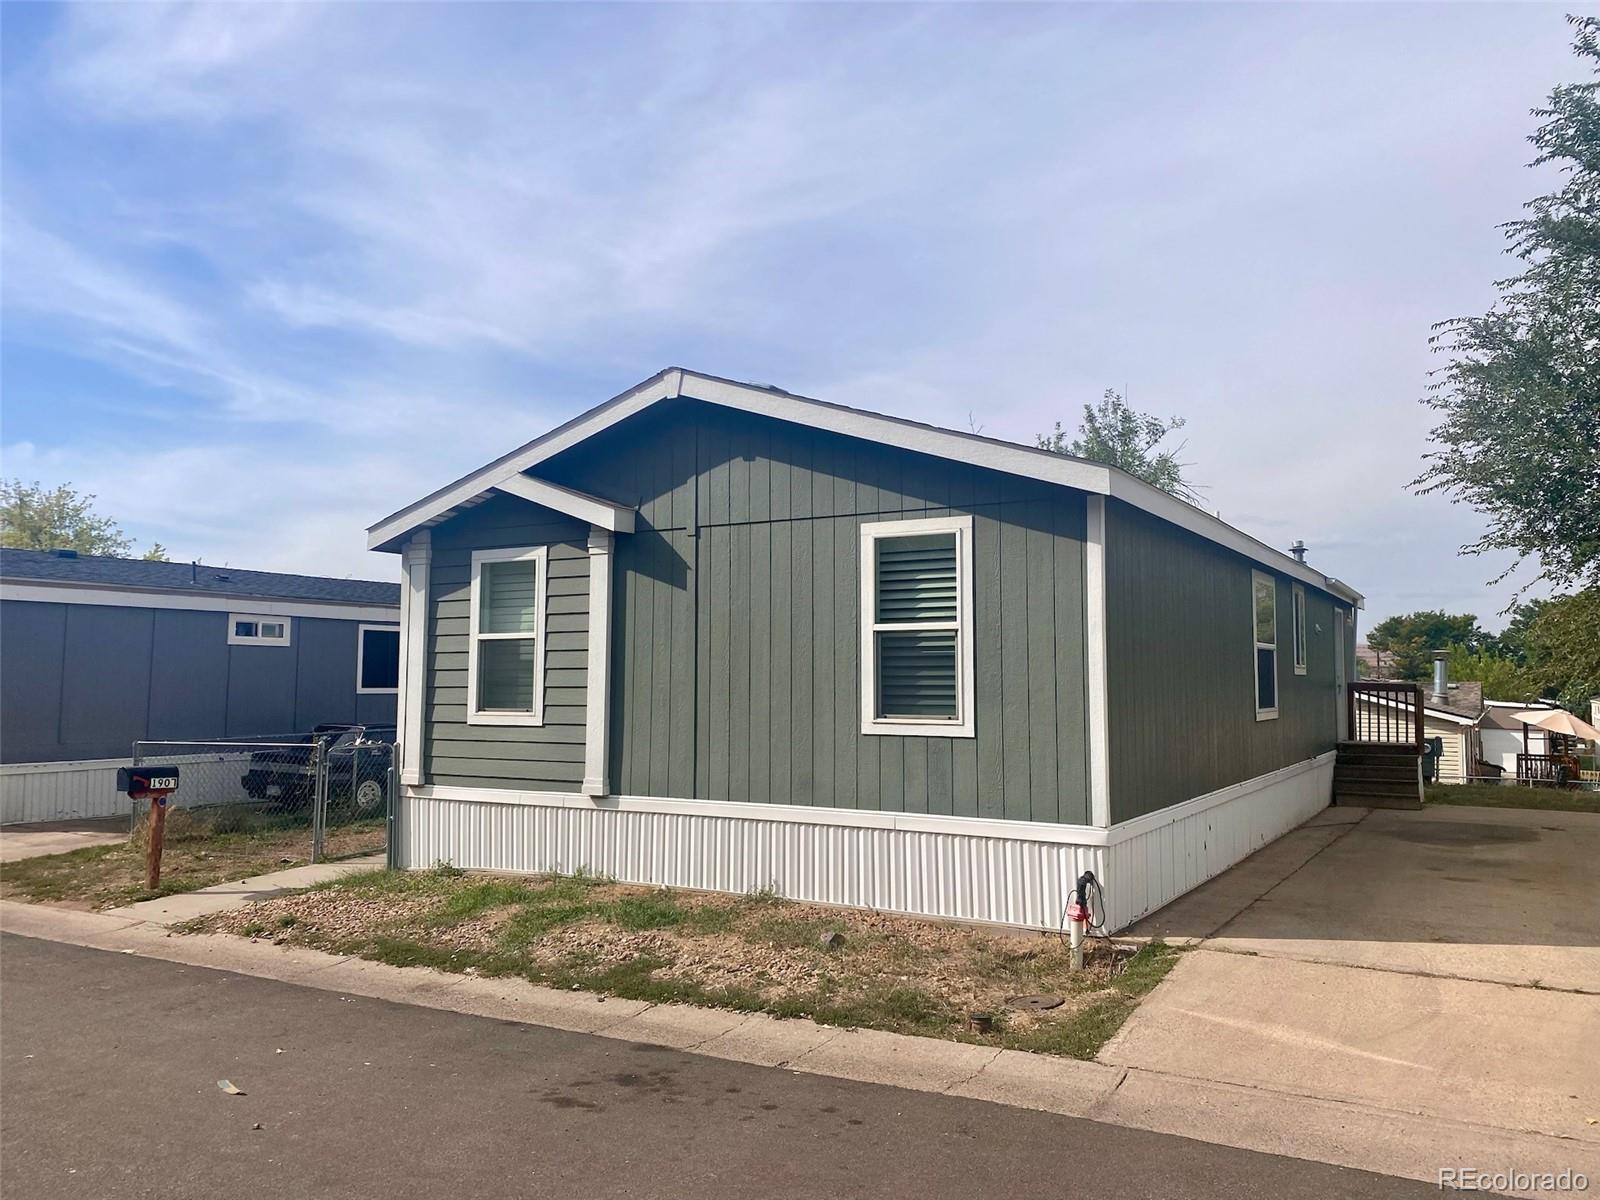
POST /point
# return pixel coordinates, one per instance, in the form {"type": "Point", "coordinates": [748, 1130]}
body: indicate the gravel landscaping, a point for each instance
{"type": "Point", "coordinates": [754, 953]}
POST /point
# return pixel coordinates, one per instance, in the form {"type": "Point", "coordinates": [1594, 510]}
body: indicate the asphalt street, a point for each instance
{"type": "Point", "coordinates": [109, 1070]}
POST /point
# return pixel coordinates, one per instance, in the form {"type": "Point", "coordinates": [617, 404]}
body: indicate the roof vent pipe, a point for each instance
{"type": "Point", "coordinates": [1441, 676]}
{"type": "Point", "coordinates": [1298, 550]}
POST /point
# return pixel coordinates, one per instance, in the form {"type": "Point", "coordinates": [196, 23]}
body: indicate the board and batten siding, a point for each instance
{"type": "Point", "coordinates": [1180, 668]}
{"type": "Point", "coordinates": [735, 669]}
{"type": "Point", "coordinates": [546, 757]}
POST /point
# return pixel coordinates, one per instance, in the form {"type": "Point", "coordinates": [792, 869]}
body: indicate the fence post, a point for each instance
{"type": "Point", "coordinates": [319, 801]}
{"type": "Point", "coordinates": [390, 830]}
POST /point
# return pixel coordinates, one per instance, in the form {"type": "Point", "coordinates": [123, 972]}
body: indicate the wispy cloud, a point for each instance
{"type": "Point", "coordinates": [362, 249]}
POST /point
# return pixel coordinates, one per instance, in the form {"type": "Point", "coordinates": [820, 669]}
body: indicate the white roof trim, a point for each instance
{"type": "Point", "coordinates": [61, 591]}
{"type": "Point", "coordinates": [1008, 457]}
{"type": "Point", "coordinates": [591, 509]}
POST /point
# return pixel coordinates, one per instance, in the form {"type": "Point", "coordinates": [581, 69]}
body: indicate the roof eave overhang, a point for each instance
{"type": "Point", "coordinates": [1047, 466]}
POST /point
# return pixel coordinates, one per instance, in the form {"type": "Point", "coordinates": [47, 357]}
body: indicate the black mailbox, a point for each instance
{"type": "Point", "coordinates": [139, 782]}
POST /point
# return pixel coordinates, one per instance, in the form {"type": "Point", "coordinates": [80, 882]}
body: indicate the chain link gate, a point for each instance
{"type": "Point", "coordinates": [276, 801]}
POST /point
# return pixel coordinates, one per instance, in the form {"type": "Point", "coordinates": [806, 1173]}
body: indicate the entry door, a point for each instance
{"type": "Point", "coordinates": [1340, 633]}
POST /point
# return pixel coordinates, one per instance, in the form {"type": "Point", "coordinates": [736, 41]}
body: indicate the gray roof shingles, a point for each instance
{"type": "Point", "coordinates": [94, 570]}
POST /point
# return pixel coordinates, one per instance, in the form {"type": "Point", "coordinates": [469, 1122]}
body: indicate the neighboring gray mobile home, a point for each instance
{"type": "Point", "coordinates": [719, 636]}
{"type": "Point", "coordinates": [97, 653]}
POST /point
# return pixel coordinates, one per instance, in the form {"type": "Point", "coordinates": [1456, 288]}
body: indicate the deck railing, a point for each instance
{"type": "Point", "coordinates": [1386, 712]}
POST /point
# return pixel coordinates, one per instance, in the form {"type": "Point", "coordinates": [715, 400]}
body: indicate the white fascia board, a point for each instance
{"type": "Point", "coordinates": [589, 509]}
{"type": "Point", "coordinates": [50, 592]}
{"type": "Point", "coordinates": [1007, 457]}
{"type": "Point", "coordinates": [388, 533]}
{"type": "Point", "coordinates": [1153, 500]}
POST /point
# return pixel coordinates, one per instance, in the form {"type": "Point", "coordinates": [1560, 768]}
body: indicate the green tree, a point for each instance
{"type": "Point", "coordinates": [33, 517]}
{"type": "Point", "coordinates": [1564, 649]}
{"type": "Point", "coordinates": [1409, 640]}
{"type": "Point", "coordinates": [1519, 439]}
{"type": "Point", "coordinates": [1502, 678]}
{"type": "Point", "coordinates": [1512, 641]}
{"type": "Point", "coordinates": [1116, 434]}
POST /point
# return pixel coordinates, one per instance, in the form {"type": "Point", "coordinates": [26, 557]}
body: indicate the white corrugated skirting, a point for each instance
{"type": "Point", "coordinates": [1011, 873]}
{"type": "Point", "coordinates": [61, 791]}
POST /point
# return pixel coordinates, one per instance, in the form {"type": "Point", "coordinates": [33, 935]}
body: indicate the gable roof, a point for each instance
{"type": "Point", "coordinates": [65, 569]}
{"type": "Point", "coordinates": [975, 449]}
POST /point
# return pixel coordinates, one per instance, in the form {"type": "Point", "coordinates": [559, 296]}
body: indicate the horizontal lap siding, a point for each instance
{"type": "Point", "coordinates": [542, 758]}
{"type": "Point", "coordinates": [1180, 669]}
{"type": "Point", "coordinates": [737, 621]}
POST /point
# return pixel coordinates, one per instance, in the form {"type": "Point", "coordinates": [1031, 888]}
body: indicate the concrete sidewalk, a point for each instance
{"type": "Point", "coordinates": [1444, 963]}
{"type": "Point", "coordinates": [57, 837]}
{"type": "Point", "coordinates": [220, 897]}
{"type": "Point", "coordinates": [1372, 1138]}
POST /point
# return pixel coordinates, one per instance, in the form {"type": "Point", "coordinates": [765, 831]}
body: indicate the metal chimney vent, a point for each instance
{"type": "Point", "coordinates": [1298, 550]}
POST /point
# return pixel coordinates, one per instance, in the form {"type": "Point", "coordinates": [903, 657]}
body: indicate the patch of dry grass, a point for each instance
{"type": "Point", "coordinates": [201, 847]}
{"type": "Point", "coordinates": [1506, 795]}
{"type": "Point", "coordinates": [754, 953]}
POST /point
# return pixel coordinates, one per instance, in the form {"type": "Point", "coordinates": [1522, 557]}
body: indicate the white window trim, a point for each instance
{"type": "Point", "coordinates": [475, 715]}
{"type": "Point", "coordinates": [361, 655]}
{"type": "Point", "coordinates": [1298, 620]}
{"type": "Point", "coordinates": [236, 639]}
{"type": "Point", "coordinates": [964, 725]}
{"type": "Point", "coordinates": [1264, 714]}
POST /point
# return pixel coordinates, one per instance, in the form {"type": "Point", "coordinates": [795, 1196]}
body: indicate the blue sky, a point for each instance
{"type": "Point", "coordinates": [271, 272]}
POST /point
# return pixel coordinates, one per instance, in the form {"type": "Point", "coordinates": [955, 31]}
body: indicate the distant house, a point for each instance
{"type": "Point", "coordinates": [96, 653]}
{"type": "Point", "coordinates": [1503, 739]}
{"type": "Point", "coordinates": [717, 635]}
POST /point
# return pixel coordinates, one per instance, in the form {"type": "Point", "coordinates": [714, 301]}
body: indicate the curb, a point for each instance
{"type": "Point", "coordinates": [1343, 1134]}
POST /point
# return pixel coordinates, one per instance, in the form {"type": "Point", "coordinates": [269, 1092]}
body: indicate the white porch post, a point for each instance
{"type": "Point", "coordinates": [1095, 659]}
{"type": "Point", "coordinates": [597, 695]}
{"type": "Point", "coordinates": [415, 562]}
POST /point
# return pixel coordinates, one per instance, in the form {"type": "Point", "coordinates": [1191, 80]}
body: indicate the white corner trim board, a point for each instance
{"type": "Point", "coordinates": [1094, 597]}
{"type": "Point", "coordinates": [1009, 872]}
{"type": "Point", "coordinates": [597, 681]}
{"type": "Point", "coordinates": [415, 564]}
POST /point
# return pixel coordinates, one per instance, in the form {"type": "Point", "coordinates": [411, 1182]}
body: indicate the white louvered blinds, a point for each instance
{"type": "Point", "coordinates": [506, 632]}
{"type": "Point", "coordinates": [917, 627]}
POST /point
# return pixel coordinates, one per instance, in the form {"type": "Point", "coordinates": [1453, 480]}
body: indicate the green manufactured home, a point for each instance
{"type": "Point", "coordinates": [715, 635]}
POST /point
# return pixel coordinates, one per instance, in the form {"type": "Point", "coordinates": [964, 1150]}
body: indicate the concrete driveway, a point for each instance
{"type": "Point", "coordinates": [1444, 962]}
{"type": "Point", "coordinates": [57, 837]}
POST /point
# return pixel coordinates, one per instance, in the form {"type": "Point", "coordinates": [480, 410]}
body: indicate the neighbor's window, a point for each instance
{"type": "Point", "coordinates": [916, 627]}
{"type": "Point", "coordinates": [377, 658]}
{"type": "Point", "coordinates": [247, 630]}
{"type": "Point", "coordinates": [505, 682]}
{"type": "Point", "coordinates": [1300, 656]}
{"type": "Point", "coordinates": [1265, 591]}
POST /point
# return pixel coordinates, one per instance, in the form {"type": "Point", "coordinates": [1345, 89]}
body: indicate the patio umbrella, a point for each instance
{"type": "Point", "coordinates": [1558, 720]}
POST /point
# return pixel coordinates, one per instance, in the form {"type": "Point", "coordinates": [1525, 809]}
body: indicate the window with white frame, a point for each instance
{"type": "Point", "coordinates": [1300, 656]}
{"type": "Point", "coordinates": [916, 627]}
{"type": "Point", "coordinates": [377, 659]}
{"type": "Point", "coordinates": [1264, 591]}
{"type": "Point", "coordinates": [247, 630]}
{"type": "Point", "coordinates": [505, 666]}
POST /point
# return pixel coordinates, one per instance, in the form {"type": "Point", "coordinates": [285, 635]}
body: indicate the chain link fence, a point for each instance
{"type": "Point", "coordinates": [305, 798]}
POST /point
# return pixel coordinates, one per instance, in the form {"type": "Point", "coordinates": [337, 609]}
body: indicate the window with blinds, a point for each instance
{"type": "Point", "coordinates": [1264, 591]}
{"type": "Point", "coordinates": [505, 683]}
{"type": "Point", "coordinates": [916, 657]}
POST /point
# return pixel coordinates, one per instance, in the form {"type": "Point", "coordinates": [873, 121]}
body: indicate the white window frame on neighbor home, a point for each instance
{"type": "Point", "coordinates": [540, 557]}
{"type": "Point", "coordinates": [871, 534]}
{"type": "Point", "coordinates": [1257, 579]}
{"type": "Point", "coordinates": [1301, 638]}
{"type": "Point", "coordinates": [361, 659]}
{"type": "Point", "coordinates": [256, 635]}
